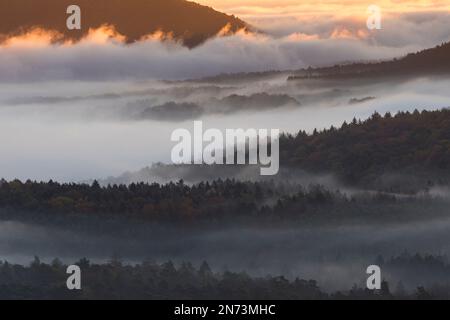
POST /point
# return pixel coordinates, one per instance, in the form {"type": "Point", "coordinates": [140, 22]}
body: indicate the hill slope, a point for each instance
{"type": "Point", "coordinates": [430, 61]}
{"type": "Point", "coordinates": [187, 21]}
{"type": "Point", "coordinates": [413, 144]}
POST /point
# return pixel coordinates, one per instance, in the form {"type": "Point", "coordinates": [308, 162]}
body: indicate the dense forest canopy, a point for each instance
{"type": "Point", "coordinates": [219, 201]}
{"type": "Point", "coordinates": [357, 151]}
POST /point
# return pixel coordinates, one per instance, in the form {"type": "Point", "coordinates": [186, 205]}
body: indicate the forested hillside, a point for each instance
{"type": "Point", "coordinates": [409, 143]}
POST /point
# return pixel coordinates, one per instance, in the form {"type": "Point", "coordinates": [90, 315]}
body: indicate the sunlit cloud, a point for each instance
{"type": "Point", "coordinates": [38, 37]}
{"type": "Point", "coordinates": [104, 55]}
{"type": "Point", "coordinates": [274, 16]}
{"type": "Point", "coordinates": [34, 38]}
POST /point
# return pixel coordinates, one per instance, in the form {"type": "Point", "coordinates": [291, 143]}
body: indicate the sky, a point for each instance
{"type": "Point", "coordinates": [284, 16]}
{"type": "Point", "coordinates": [253, 8]}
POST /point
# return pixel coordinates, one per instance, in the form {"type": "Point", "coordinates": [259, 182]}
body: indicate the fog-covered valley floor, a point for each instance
{"type": "Point", "coordinates": [335, 256]}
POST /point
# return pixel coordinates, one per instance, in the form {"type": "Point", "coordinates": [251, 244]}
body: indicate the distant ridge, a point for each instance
{"type": "Point", "coordinates": [186, 21]}
{"type": "Point", "coordinates": [427, 62]}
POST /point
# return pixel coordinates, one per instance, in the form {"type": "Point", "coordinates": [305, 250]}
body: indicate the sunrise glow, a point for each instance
{"type": "Point", "coordinates": [258, 8]}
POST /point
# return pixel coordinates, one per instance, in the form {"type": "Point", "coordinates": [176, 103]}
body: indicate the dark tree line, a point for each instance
{"type": "Point", "coordinates": [115, 280]}
{"type": "Point", "coordinates": [221, 201]}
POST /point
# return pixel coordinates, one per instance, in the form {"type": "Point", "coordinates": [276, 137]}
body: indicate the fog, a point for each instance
{"type": "Point", "coordinates": [102, 56]}
{"type": "Point", "coordinates": [423, 29]}
{"type": "Point", "coordinates": [285, 44]}
{"type": "Point", "coordinates": [336, 256]}
{"type": "Point", "coordinates": [74, 131]}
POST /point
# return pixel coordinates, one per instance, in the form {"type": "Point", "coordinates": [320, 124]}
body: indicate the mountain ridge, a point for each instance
{"type": "Point", "coordinates": [186, 21]}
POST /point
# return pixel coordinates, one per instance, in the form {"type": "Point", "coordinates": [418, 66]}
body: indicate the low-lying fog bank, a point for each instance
{"type": "Point", "coordinates": [334, 256]}
{"type": "Point", "coordinates": [94, 130]}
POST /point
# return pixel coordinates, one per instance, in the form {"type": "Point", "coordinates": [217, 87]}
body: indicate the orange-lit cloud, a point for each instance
{"type": "Point", "coordinates": [38, 37]}
{"type": "Point", "coordinates": [34, 38]}
{"type": "Point", "coordinates": [104, 35]}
